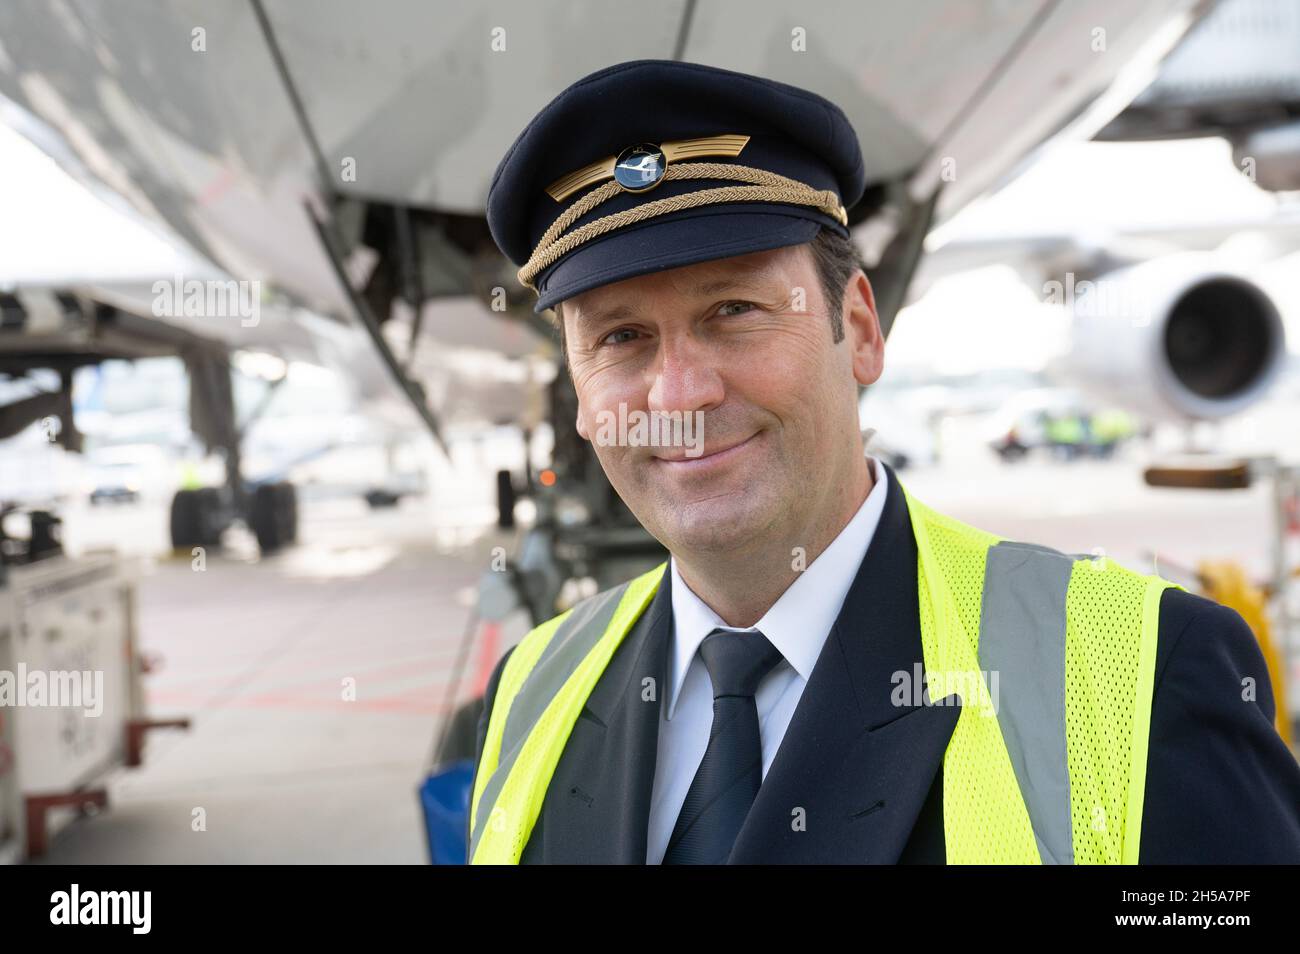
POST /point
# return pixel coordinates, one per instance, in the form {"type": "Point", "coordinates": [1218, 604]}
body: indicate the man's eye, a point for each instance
{"type": "Point", "coordinates": [736, 308]}
{"type": "Point", "coordinates": [621, 336]}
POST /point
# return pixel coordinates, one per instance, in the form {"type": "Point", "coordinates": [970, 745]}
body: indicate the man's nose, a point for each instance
{"type": "Point", "coordinates": [686, 378]}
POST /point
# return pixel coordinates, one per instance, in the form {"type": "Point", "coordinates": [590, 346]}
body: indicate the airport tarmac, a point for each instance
{"type": "Point", "coordinates": [282, 768]}
{"type": "Point", "coordinates": [281, 765]}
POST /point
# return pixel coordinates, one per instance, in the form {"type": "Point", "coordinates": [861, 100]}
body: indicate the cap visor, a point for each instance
{"type": "Point", "coordinates": [658, 245]}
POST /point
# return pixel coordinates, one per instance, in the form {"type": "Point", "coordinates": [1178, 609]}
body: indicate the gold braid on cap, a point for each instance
{"type": "Point", "coordinates": [764, 187]}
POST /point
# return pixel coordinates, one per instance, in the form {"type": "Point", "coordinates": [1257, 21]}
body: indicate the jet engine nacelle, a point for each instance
{"type": "Point", "coordinates": [1177, 338]}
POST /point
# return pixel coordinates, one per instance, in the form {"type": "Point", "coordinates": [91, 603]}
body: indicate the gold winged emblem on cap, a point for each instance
{"type": "Point", "coordinates": [727, 145]}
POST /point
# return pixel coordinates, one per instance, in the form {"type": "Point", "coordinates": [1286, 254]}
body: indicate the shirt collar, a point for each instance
{"type": "Point", "coordinates": [799, 621]}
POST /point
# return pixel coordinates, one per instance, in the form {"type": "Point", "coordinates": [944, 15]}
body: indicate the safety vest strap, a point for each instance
{"type": "Point", "coordinates": [1113, 620]}
{"type": "Point", "coordinates": [985, 818]}
{"type": "Point", "coordinates": [536, 706]}
{"type": "Point", "coordinates": [1053, 655]}
{"type": "Point", "coordinates": [517, 668]}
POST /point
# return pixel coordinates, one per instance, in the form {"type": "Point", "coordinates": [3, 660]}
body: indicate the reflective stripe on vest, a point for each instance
{"type": "Point", "coordinates": [1047, 761]}
{"type": "Point", "coordinates": [543, 687]}
{"type": "Point", "coordinates": [1022, 645]}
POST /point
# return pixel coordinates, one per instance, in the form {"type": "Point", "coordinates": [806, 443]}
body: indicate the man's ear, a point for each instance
{"type": "Point", "coordinates": [862, 330]}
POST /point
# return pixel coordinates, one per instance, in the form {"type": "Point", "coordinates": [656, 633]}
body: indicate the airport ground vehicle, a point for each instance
{"type": "Point", "coordinates": [1059, 423]}
{"type": "Point", "coordinates": [73, 710]}
{"type": "Point", "coordinates": [116, 483]}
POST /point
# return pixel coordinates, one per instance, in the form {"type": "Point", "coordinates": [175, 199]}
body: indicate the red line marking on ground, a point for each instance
{"type": "Point", "coordinates": [488, 652]}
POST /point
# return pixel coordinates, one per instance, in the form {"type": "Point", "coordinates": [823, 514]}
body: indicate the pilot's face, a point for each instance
{"type": "Point", "coordinates": [745, 346]}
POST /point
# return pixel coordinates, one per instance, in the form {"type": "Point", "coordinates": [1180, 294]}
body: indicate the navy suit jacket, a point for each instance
{"type": "Point", "coordinates": [1221, 787]}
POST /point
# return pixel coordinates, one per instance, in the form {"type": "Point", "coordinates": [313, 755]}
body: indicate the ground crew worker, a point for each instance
{"type": "Point", "coordinates": [826, 670]}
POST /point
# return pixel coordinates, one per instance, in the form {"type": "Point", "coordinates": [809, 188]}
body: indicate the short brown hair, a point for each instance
{"type": "Point", "coordinates": [836, 259]}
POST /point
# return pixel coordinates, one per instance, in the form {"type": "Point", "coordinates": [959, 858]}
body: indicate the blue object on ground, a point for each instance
{"type": "Point", "coordinates": [444, 796]}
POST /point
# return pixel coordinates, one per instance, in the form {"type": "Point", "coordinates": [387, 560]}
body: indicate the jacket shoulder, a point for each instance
{"type": "Point", "coordinates": [1222, 786]}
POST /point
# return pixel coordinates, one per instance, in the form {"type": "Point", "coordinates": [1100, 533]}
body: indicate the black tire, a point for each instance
{"type": "Point", "coordinates": [273, 516]}
{"type": "Point", "coordinates": [505, 500]}
{"type": "Point", "coordinates": [196, 518]}
{"type": "Point", "coordinates": [289, 503]}
{"type": "Point", "coordinates": [185, 520]}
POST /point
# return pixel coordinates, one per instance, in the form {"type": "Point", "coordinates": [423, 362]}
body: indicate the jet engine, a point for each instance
{"type": "Point", "coordinates": [1176, 338]}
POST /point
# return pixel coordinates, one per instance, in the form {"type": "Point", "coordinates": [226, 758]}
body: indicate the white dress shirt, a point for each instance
{"type": "Point", "coordinates": [797, 625]}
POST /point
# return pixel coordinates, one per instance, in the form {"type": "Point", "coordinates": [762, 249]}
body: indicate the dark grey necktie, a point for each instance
{"type": "Point", "coordinates": [728, 778]}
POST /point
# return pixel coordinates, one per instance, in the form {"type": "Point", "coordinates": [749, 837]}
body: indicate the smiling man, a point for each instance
{"type": "Point", "coordinates": [727, 339]}
{"type": "Point", "coordinates": [826, 670]}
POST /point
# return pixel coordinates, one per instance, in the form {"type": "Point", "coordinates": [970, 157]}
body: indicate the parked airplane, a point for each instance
{"type": "Point", "coordinates": [342, 158]}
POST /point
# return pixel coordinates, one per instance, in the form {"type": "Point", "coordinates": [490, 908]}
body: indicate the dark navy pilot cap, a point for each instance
{"type": "Point", "coordinates": [656, 164]}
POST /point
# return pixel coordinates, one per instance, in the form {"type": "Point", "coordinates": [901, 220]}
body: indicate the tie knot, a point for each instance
{"type": "Point", "coordinates": [737, 662]}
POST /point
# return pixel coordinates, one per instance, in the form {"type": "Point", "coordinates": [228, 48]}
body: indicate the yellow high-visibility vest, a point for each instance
{"type": "Point", "coordinates": [1052, 654]}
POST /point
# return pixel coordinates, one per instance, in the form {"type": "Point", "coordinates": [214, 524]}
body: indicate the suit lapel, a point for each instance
{"type": "Point", "coordinates": [597, 807]}
{"type": "Point", "coordinates": [855, 766]}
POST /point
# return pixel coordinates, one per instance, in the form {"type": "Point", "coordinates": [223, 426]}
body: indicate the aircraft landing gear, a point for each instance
{"type": "Point", "coordinates": [199, 516]}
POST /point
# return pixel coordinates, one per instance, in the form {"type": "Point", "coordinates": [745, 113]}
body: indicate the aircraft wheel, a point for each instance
{"type": "Point", "coordinates": [196, 518]}
{"type": "Point", "coordinates": [274, 516]}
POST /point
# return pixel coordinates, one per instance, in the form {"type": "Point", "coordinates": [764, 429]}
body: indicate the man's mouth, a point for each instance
{"type": "Point", "coordinates": [676, 458]}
